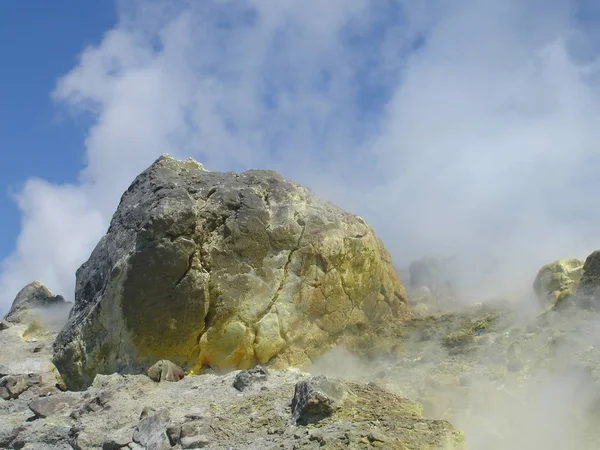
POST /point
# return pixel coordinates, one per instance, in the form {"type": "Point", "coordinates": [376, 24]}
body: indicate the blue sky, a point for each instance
{"type": "Point", "coordinates": [38, 44]}
{"type": "Point", "coordinates": [468, 127]}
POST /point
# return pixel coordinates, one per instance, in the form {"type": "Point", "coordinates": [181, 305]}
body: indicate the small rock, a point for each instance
{"type": "Point", "coordinates": [151, 430]}
{"type": "Point", "coordinates": [8, 434]}
{"type": "Point", "coordinates": [316, 435]}
{"type": "Point", "coordinates": [246, 378]}
{"type": "Point", "coordinates": [194, 435]}
{"type": "Point", "coordinates": [165, 370]}
{"type": "Point", "coordinates": [4, 325]}
{"type": "Point", "coordinates": [11, 386]}
{"type": "Point", "coordinates": [316, 398]}
{"type": "Point", "coordinates": [174, 434]}
{"type": "Point", "coordinates": [377, 436]}
{"type": "Point", "coordinates": [37, 348]}
{"type": "Point", "coordinates": [52, 405]}
{"type": "Point", "coordinates": [121, 438]}
{"type": "Point", "coordinates": [199, 441]}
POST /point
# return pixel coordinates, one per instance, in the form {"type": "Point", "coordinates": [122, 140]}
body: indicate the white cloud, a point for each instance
{"type": "Point", "coordinates": [484, 144]}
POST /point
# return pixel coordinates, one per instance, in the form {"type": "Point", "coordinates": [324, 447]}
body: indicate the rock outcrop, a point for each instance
{"type": "Point", "coordinates": [556, 282]}
{"type": "Point", "coordinates": [33, 297]}
{"type": "Point", "coordinates": [225, 270]}
{"type": "Point", "coordinates": [587, 294]}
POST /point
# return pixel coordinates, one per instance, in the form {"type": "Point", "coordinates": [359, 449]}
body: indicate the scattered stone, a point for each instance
{"type": "Point", "coordinates": [316, 435]}
{"type": "Point", "coordinates": [247, 378]}
{"type": "Point", "coordinates": [377, 436]}
{"type": "Point", "coordinates": [119, 439]}
{"type": "Point", "coordinates": [174, 434]}
{"type": "Point", "coordinates": [12, 386]}
{"type": "Point", "coordinates": [33, 296]}
{"type": "Point", "coordinates": [316, 398]}
{"type": "Point", "coordinates": [37, 348]}
{"type": "Point", "coordinates": [4, 325]}
{"type": "Point", "coordinates": [61, 403]}
{"type": "Point", "coordinates": [219, 269]}
{"type": "Point", "coordinates": [198, 441]}
{"type": "Point", "coordinates": [165, 370]}
{"type": "Point", "coordinates": [151, 430]}
{"type": "Point", "coordinates": [8, 433]}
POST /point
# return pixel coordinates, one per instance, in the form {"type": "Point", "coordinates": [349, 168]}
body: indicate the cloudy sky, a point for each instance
{"type": "Point", "coordinates": [464, 127]}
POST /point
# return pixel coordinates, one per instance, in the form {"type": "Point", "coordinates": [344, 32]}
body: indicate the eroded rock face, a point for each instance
{"type": "Point", "coordinates": [31, 298]}
{"type": "Point", "coordinates": [224, 270]}
{"type": "Point", "coordinates": [557, 281]}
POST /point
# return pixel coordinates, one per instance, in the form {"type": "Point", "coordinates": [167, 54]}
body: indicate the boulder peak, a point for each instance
{"type": "Point", "coordinates": [226, 270]}
{"type": "Point", "coordinates": [33, 296]}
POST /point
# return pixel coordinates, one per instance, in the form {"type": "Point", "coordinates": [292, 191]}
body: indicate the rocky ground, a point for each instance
{"type": "Point", "coordinates": [200, 411]}
{"type": "Point", "coordinates": [225, 271]}
{"type": "Point", "coordinates": [507, 381]}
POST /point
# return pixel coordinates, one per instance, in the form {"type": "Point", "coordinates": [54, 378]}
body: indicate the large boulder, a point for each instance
{"type": "Point", "coordinates": [30, 300]}
{"type": "Point", "coordinates": [557, 281]}
{"type": "Point", "coordinates": [224, 270]}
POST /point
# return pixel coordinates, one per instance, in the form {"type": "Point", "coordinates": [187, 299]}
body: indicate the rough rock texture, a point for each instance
{"type": "Point", "coordinates": [206, 411]}
{"type": "Point", "coordinates": [12, 386]}
{"type": "Point", "coordinates": [588, 290]}
{"type": "Point", "coordinates": [557, 281]}
{"type": "Point", "coordinates": [247, 378]}
{"type": "Point", "coordinates": [32, 297]}
{"type": "Point", "coordinates": [316, 399]}
{"type": "Point", "coordinates": [59, 403]}
{"type": "Point", "coordinates": [225, 270]}
{"type": "Point", "coordinates": [165, 370]}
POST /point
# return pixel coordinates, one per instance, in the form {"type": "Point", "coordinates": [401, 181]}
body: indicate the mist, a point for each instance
{"type": "Point", "coordinates": [537, 389]}
{"type": "Point", "coordinates": [466, 130]}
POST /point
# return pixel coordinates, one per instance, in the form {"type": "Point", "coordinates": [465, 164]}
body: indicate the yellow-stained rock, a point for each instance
{"type": "Point", "coordinates": [557, 281]}
{"type": "Point", "coordinates": [226, 270]}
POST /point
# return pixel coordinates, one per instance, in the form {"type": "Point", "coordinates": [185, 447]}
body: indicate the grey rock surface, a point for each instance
{"type": "Point", "coordinates": [59, 403]}
{"type": "Point", "coordinates": [33, 297]}
{"type": "Point", "coordinates": [316, 399]}
{"type": "Point", "coordinates": [225, 270]}
{"type": "Point", "coordinates": [200, 411]}
{"type": "Point", "coordinates": [247, 378]}
{"type": "Point", "coordinates": [12, 386]}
